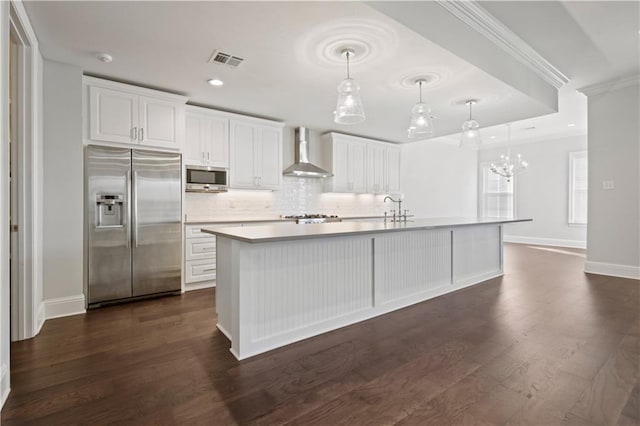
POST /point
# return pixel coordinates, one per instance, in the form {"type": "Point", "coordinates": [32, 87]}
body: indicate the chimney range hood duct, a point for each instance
{"type": "Point", "coordinates": [302, 167]}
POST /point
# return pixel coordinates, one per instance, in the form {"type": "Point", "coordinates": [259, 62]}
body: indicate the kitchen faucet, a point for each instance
{"type": "Point", "coordinates": [399, 202]}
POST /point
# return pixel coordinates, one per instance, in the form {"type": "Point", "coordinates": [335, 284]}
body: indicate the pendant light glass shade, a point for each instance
{"type": "Point", "coordinates": [470, 137]}
{"type": "Point", "coordinates": [421, 125]}
{"type": "Point", "coordinates": [349, 109]}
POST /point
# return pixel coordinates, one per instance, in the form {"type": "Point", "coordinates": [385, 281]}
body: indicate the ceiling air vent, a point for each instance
{"type": "Point", "coordinates": [222, 58]}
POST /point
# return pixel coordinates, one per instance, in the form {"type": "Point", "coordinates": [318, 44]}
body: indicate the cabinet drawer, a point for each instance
{"type": "Point", "coordinates": [193, 231]}
{"type": "Point", "coordinates": [201, 248]}
{"type": "Point", "coordinates": [200, 270]}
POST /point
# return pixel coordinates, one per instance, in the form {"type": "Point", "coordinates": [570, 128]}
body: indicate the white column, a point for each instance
{"type": "Point", "coordinates": [613, 230]}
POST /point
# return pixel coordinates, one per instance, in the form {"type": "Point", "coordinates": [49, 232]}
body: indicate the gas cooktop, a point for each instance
{"type": "Point", "coordinates": [313, 218]}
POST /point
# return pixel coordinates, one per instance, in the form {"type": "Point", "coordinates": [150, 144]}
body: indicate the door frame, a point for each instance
{"type": "Point", "coordinates": [29, 312]}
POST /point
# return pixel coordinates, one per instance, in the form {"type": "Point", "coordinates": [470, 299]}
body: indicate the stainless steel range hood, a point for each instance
{"type": "Point", "coordinates": [302, 167]}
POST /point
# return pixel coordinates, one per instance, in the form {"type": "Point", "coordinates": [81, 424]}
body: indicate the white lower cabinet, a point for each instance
{"type": "Point", "coordinates": [200, 258]}
{"type": "Point", "coordinates": [200, 270]}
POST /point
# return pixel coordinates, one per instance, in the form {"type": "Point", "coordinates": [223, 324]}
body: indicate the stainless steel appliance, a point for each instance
{"type": "Point", "coordinates": [313, 218]}
{"type": "Point", "coordinates": [134, 232]}
{"type": "Point", "coordinates": [206, 179]}
{"type": "Point", "coordinates": [302, 167]}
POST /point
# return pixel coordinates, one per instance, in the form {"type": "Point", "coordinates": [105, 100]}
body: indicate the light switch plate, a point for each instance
{"type": "Point", "coordinates": [608, 184]}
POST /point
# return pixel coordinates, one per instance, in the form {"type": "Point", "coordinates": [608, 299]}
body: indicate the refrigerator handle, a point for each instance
{"type": "Point", "coordinates": [128, 208]}
{"type": "Point", "coordinates": [134, 216]}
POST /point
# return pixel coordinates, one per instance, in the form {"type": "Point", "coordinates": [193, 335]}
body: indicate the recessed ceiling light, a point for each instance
{"type": "Point", "coordinates": [492, 137]}
{"type": "Point", "coordinates": [104, 57]}
{"type": "Point", "coordinates": [571, 125]}
{"type": "Point", "coordinates": [215, 82]}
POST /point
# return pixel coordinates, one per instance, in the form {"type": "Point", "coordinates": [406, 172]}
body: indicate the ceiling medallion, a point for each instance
{"type": "Point", "coordinates": [370, 41]}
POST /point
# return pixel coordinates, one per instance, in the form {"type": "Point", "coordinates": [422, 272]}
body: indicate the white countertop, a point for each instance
{"type": "Point", "coordinates": [224, 220]}
{"type": "Point", "coordinates": [292, 231]}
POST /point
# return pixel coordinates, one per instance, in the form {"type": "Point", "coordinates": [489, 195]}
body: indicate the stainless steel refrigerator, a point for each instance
{"type": "Point", "coordinates": [134, 232]}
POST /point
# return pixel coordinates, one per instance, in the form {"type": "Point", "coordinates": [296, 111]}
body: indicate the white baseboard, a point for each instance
{"type": "Point", "coordinates": [612, 269]}
{"type": "Point", "coordinates": [554, 242]}
{"type": "Point", "coordinates": [200, 285]}
{"type": "Point", "coordinates": [64, 306]}
{"type": "Point", "coordinates": [4, 385]}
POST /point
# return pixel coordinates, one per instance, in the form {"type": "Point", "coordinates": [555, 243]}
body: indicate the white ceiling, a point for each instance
{"type": "Point", "coordinates": [292, 68]}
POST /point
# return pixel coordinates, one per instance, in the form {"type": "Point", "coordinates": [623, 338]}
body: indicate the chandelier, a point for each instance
{"type": "Point", "coordinates": [508, 168]}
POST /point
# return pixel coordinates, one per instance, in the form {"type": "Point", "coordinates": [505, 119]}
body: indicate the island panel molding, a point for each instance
{"type": "Point", "coordinates": [411, 263]}
{"type": "Point", "coordinates": [280, 284]}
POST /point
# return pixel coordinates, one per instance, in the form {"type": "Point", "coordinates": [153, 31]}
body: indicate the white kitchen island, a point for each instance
{"type": "Point", "coordinates": [278, 284]}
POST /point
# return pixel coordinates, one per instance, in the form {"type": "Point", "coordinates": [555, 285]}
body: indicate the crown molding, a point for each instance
{"type": "Point", "coordinates": [493, 30]}
{"type": "Point", "coordinates": [607, 86]}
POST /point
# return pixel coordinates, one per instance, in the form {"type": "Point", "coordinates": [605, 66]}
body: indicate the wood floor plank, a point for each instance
{"type": "Point", "coordinates": [508, 351]}
{"type": "Point", "coordinates": [609, 390]}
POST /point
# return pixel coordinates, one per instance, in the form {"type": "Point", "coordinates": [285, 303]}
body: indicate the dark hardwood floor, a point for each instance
{"type": "Point", "coordinates": [545, 344]}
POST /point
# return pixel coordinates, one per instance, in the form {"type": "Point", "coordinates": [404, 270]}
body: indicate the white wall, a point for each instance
{"type": "Point", "coordinates": [542, 192]}
{"type": "Point", "coordinates": [439, 180]}
{"type": "Point", "coordinates": [614, 155]}
{"type": "Point", "coordinates": [63, 189]}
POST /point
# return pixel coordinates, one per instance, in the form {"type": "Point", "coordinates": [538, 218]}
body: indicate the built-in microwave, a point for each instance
{"type": "Point", "coordinates": [206, 179]}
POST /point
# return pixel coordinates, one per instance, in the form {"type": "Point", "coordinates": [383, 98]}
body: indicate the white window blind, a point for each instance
{"type": "Point", "coordinates": [496, 194]}
{"type": "Point", "coordinates": [578, 187]}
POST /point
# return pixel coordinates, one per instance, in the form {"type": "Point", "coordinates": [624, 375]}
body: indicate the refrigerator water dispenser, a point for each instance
{"type": "Point", "coordinates": [110, 210]}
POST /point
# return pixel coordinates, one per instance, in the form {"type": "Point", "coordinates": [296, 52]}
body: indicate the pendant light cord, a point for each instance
{"type": "Point", "coordinates": [348, 76]}
{"type": "Point", "coordinates": [470, 106]}
{"type": "Point", "coordinates": [420, 83]}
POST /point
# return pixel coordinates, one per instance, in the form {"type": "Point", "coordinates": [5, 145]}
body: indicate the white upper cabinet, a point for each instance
{"type": "Point", "coordinates": [125, 114]}
{"type": "Point", "coordinates": [361, 165]}
{"type": "Point", "coordinates": [376, 156]}
{"type": "Point", "coordinates": [114, 115]}
{"type": "Point", "coordinates": [255, 148]}
{"type": "Point", "coordinates": [348, 158]}
{"type": "Point", "coordinates": [392, 170]}
{"type": "Point", "coordinates": [206, 138]}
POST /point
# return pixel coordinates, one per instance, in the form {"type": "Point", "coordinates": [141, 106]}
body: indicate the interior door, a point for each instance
{"type": "Point", "coordinates": [108, 171]}
{"type": "Point", "coordinates": [156, 214]}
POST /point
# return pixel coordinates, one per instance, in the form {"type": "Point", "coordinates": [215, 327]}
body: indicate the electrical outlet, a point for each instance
{"type": "Point", "coordinates": [608, 185]}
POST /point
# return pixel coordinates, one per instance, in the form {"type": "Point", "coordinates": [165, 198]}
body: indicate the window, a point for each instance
{"type": "Point", "coordinates": [578, 188]}
{"type": "Point", "coordinates": [496, 194]}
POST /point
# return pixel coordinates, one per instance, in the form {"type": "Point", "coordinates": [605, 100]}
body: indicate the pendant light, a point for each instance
{"type": "Point", "coordinates": [508, 168]}
{"type": "Point", "coordinates": [470, 130]}
{"type": "Point", "coordinates": [349, 109]}
{"type": "Point", "coordinates": [421, 125]}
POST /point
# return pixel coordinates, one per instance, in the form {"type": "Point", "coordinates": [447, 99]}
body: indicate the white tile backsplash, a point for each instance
{"type": "Point", "coordinates": [298, 196]}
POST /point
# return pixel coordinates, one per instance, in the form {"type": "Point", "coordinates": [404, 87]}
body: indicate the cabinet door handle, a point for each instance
{"type": "Point", "coordinates": [203, 156]}
{"type": "Point", "coordinates": [134, 133]}
{"type": "Point", "coordinates": [208, 156]}
{"type": "Point", "coordinates": [141, 134]}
